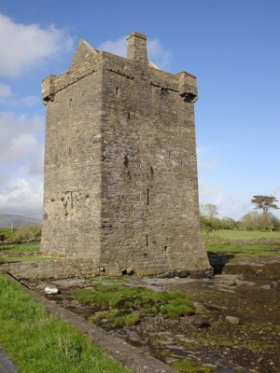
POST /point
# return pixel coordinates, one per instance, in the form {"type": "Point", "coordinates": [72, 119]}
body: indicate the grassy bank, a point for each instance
{"type": "Point", "coordinates": [39, 343]}
{"type": "Point", "coordinates": [22, 253]}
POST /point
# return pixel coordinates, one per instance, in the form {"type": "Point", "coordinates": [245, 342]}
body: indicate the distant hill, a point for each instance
{"type": "Point", "coordinates": [17, 221]}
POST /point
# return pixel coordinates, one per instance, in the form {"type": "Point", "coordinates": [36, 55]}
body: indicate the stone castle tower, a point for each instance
{"type": "Point", "coordinates": [120, 164]}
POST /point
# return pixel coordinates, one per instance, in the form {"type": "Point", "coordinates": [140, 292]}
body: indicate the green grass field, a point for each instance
{"type": "Point", "coordinates": [236, 251]}
{"type": "Point", "coordinates": [39, 343]}
{"type": "Point", "coordinates": [224, 242]}
{"type": "Point", "coordinates": [224, 234]}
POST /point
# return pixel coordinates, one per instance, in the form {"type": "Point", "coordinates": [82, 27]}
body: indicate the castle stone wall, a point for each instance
{"type": "Point", "coordinates": [120, 167]}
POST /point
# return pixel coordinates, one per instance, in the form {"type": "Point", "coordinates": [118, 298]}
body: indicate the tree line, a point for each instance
{"type": "Point", "coordinates": [260, 220]}
{"type": "Point", "coordinates": [21, 234]}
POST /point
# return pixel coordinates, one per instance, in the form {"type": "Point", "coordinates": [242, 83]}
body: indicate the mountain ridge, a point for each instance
{"type": "Point", "coordinates": [15, 221]}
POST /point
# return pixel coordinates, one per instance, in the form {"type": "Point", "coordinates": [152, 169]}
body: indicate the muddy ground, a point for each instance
{"type": "Point", "coordinates": [237, 328]}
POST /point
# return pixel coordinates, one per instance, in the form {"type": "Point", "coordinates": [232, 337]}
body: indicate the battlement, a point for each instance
{"type": "Point", "coordinates": [88, 60]}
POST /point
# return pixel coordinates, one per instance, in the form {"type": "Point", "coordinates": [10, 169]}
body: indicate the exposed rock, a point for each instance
{"type": "Point", "coordinates": [266, 287]}
{"type": "Point", "coordinates": [233, 320]}
{"type": "Point", "coordinates": [133, 338]}
{"type": "Point", "coordinates": [209, 273]}
{"type": "Point", "coordinates": [226, 280]}
{"type": "Point", "coordinates": [51, 290]}
{"type": "Point", "coordinates": [167, 275]}
{"type": "Point", "coordinates": [244, 283]}
{"type": "Point", "coordinates": [200, 322]}
{"type": "Point", "coordinates": [184, 274]}
{"type": "Point", "coordinates": [70, 283]}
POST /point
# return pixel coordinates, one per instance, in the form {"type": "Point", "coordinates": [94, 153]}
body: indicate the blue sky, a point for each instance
{"type": "Point", "coordinates": [232, 46]}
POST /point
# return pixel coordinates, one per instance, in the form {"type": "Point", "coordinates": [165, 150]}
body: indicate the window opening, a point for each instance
{"type": "Point", "coordinates": [148, 196]}
{"type": "Point", "coordinates": [147, 240]}
{"type": "Point", "coordinates": [125, 162]}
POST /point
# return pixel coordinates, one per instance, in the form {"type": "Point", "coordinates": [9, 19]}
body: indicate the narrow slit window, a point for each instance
{"type": "Point", "coordinates": [117, 91]}
{"type": "Point", "coordinates": [70, 102]}
{"type": "Point", "coordinates": [125, 162]}
{"type": "Point", "coordinates": [147, 240]}
{"type": "Point", "coordinates": [69, 151]}
{"type": "Point", "coordinates": [128, 115]}
{"type": "Point", "coordinates": [148, 197]}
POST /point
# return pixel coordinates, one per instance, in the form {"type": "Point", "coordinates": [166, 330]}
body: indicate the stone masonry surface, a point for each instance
{"type": "Point", "coordinates": [57, 268]}
{"type": "Point", "coordinates": [120, 164]}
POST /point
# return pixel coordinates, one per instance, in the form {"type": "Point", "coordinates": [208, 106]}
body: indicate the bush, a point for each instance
{"type": "Point", "coordinates": [28, 233]}
{"type": "Point", "coordinates": [255, 221]}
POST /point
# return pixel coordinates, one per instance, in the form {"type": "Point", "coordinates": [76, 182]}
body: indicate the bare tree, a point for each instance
{"type": "Point", "coordinates": [209, 210]}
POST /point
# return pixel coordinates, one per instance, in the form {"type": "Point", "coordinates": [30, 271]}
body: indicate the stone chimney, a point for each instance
{"type": "Point", "coordinates": [137, 47]}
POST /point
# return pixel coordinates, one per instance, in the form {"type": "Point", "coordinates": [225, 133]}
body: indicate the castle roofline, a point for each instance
{"type": "Point", "coordinates": [83, 51]}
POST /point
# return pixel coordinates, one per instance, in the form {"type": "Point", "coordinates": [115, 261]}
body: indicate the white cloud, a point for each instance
{"type": "Point", "coordinates": [12, 100]}
{"type": "Point", "coordinates": [37, 165]}
{"type": "Point", "coordinates": [9, 98]}
{"type": "Point", "coordinates": [117, 47]}
{"type": "Point", "coordinates": [158, 54]}
{"type": "Point", "coordinates": [21, 197]}
{"type": "Point", "coordinates": [229, 205]}
{"type": "Point", "coordinates": [156, 51]}
{"type": "Point", "coordinates": [21, 164]}
{"type": "Point", "coordinates": [18, 136]}
{"type": "Point", "coordinates": [24, 47]}
{"type": "Point", "coordinates": [232, 205]}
